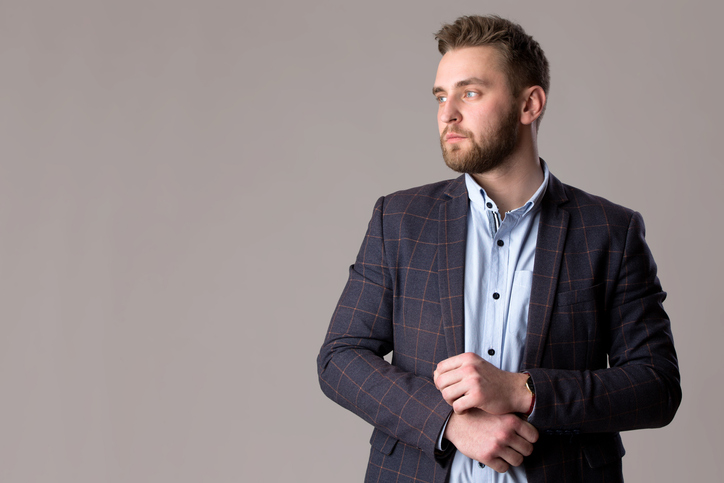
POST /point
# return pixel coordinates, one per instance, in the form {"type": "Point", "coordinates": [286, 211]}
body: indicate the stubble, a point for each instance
{"type": "Point", "coordinates": [493, 150]}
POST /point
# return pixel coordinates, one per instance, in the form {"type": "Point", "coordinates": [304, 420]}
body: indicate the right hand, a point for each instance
{"type": "Point", "coordinates": [498, 441]}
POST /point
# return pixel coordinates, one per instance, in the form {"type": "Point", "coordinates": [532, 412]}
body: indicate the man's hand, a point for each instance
{"type": "Point", "coordinates": [468, 381]}
{"type": "Point", "coordinates": [496, 441]}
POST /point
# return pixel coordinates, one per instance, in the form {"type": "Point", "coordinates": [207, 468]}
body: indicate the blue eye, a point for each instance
{"type": "Point", "coordinates": [470, 94]}
{"type": "Point", "coordinates": [441, 99]}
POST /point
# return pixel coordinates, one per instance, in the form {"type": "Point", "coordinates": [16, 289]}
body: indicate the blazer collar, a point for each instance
{"type": "Point", "coordinates": [452, 236]}
{"type": "Point", "coordinates": [552, 231]}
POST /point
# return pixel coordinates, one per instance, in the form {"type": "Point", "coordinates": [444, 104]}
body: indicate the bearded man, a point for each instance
{"type": "Point", "coordinates": [524, 316]}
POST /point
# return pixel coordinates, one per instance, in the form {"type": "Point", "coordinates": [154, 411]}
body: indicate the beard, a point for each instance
{"type": "Point", "coordinates": [497, 144]}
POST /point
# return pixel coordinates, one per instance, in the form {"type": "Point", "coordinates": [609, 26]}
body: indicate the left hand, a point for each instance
{"type": "Point", "coordinates": [498, 441]}
{"type": "Point", "coordinates": [468, 381]}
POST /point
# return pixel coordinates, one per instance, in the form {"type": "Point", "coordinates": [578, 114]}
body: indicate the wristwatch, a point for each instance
{"type": "Point", "coordinates": [531, 388]}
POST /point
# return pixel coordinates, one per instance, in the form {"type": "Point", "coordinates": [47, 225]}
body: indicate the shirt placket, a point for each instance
{"type": "Point", "coordinates": [492, 347]}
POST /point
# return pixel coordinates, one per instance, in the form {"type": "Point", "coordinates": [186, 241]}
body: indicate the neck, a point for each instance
{"type": "Point", "coordinates": [513, 183]}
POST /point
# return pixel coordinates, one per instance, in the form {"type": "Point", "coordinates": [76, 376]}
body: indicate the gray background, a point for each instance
{"type": "Point", "coordinates": [183, 185]}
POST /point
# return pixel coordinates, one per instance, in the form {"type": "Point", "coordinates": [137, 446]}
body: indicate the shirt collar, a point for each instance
{"type": "Point", "coordinates": [479, 197]}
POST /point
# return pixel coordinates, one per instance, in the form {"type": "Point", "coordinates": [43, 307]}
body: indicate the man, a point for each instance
{"type": "Point", "coordinates": [525, 316]}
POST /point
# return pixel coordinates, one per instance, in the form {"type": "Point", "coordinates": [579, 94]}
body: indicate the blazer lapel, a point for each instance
{"type": "Point", "coordinates": [548, 257]}
{"type": "Point", "coordinates": [452, 236]}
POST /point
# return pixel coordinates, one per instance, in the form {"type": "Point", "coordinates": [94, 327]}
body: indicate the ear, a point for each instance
{"type": "Point", "coordinates": [534, 102]}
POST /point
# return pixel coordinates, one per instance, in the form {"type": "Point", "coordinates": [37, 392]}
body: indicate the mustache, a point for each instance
{"type": "Point", "coordinates": [453, 130]}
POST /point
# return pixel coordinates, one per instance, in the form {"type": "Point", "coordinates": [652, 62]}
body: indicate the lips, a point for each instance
{"type": "Point", "coordinates": [454, 137]}
{"type": "Point", "coordinates": [451, 135]}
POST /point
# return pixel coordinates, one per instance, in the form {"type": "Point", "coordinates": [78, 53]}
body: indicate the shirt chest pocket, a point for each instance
{"type": "Point", "coordinates": [519, 303]}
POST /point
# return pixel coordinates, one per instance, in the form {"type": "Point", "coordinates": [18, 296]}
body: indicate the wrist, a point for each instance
{"type": "Point", "coordinates": [524, 394]}
{"type": "Point", "coordinates": [449, 430]}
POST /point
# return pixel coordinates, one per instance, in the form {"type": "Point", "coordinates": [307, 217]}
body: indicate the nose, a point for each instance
{"type": "Point", "coordinates": [449, 112]}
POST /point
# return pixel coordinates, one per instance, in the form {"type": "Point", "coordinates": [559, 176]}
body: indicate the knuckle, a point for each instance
{"type": "Point", "coordinates": [487, 455]}
{"type": "Point", "coordinates": [501, 467]}
{"type": "Point", "coordinates": [501, 437]}
{"type": "Point", "coordinates": [511, 421]}
{"type": "Point", "coordinates": [527, 450]}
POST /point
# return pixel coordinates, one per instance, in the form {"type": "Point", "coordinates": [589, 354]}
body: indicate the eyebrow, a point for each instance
{"type": "Point", "coordinates": [463, 83]}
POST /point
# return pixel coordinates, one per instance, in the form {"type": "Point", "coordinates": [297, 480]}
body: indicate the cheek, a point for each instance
{"type": "Point", "coordinates": [481, 124]}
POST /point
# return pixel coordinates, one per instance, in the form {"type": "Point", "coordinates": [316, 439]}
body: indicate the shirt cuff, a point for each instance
{"type": "Point", "coordinates": [533, 411]}
{"type": "Point", "coordinates": [442, 446]}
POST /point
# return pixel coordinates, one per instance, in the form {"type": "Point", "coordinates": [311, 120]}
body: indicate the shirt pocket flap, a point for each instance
{"type": "Point", "coordinates": [577, 296]}
{"type": "Point", "coordinates": [605, 449]}
{"type": "Point", "coordinates": [382, 442]}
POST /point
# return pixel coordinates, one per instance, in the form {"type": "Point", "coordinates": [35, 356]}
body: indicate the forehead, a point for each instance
{"type": "Point", "coordinates": [482, 62]}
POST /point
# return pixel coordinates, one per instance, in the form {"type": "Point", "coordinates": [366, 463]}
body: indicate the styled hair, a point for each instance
{"type": "Point", "coordinates": [523, 61]}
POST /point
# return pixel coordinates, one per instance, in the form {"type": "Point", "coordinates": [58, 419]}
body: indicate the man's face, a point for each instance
{"type": "Point", "coordinates": [477, 116]}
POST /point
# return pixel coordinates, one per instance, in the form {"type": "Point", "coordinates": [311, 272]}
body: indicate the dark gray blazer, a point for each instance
{"type": "Point", "coordinates": [595, 302]}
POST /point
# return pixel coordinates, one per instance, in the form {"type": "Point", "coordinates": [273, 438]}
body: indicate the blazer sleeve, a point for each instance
{"type": "Point", "coordinates": [351, 368]}
{"type": "Point", "coordinates": [641, 386]}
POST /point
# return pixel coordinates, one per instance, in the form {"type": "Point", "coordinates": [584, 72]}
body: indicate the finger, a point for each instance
{"type": "Point", "coordinates": [448, 379]}
{"type": "Point", "coordinates": [498, 464]}
{"type": "Point", "coordinates": [511, 457]}
{"type": "Point", "coordinates": [521, 446]}
{"type": "Point", "coordinates": [458, 383]}
{"type": "Point", "coordinates": [449, 364]}
{"type": "Point", "coordinates": [527, 431]}
{"type": "Point", "coordinates": [454, 392]}
{"type": "Point", "coordinates": [462, 404]}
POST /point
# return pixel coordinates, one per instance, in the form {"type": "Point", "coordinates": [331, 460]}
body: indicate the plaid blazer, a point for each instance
{"type": "Point", "coordinates": [599, 346]}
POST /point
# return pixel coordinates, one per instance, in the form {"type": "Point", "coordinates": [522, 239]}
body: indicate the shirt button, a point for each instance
{"type": "Point", "coordinates": [496, 295]}
{"type": "Point", "coordinates": [491, 352]}
{"type": "Point", "coordinates": [501, 243]}
{"type": "Point", "coordinates": [481, 465]}
{"type": "Point", "coordinates": [489, 204]}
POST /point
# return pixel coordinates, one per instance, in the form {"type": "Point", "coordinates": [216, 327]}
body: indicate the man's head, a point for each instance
{"type": "Point", "coordinates": [521, 57]}
{"type": "Point", "coordinates": [491, 81]}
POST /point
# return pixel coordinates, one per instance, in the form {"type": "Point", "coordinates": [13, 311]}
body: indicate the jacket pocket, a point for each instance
{"type": "Point", "coordinates": [578, 296]}
{"type": "Point", "coordinates": [382, 442]}
{"type": "Point", "coordinates": [603, 449]}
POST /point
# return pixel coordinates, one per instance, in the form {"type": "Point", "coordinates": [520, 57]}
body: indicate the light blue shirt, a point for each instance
{"type": "Point", "coordinates": [499, 260]}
